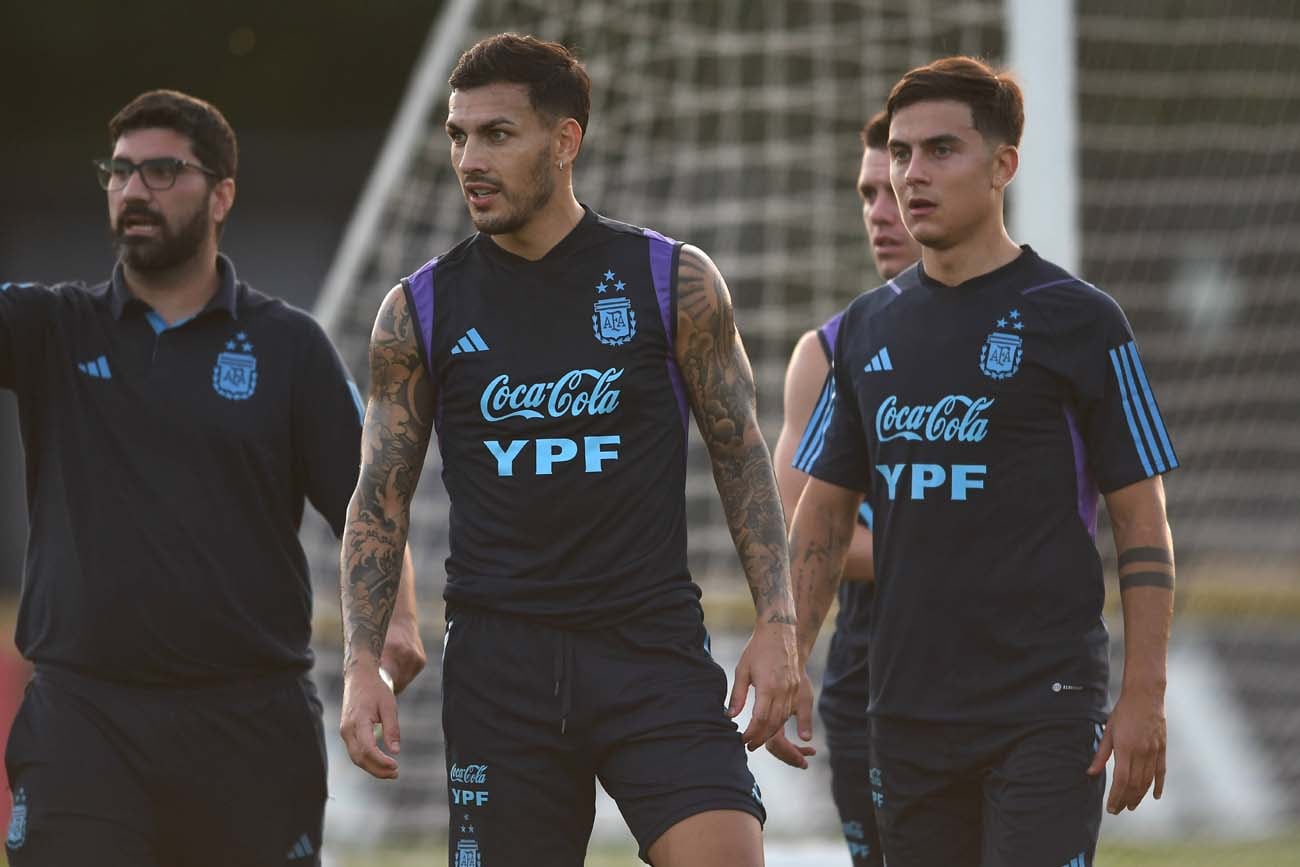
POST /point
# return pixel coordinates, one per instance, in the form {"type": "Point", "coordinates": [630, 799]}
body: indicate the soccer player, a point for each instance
{"type": "Point", "coordinates": [558, 353]}
{"type": "Point", "coordinates": [843, 701]}
{"type": "Point", "coordinates": [174, 419]}
{"type": "Point", "coordinates": [1012, 394]}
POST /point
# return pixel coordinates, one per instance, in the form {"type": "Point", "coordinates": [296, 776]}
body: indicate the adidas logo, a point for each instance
{"type": "Point", "coordinates": [301, 849]}
{"type": "Point", "coordinates": [879, 362]}
{"type": "Point", "coordinates": [97, 368]}
{"type": "Point", "coordinates": [471, 342]}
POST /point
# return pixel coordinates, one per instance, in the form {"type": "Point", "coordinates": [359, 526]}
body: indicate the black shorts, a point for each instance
{"type": "Point", "coordinates": [850, 761]}
{"type": "Point", "coordinates": [119, 776]}
{"type": "Point", "coordinates": [969, 795]}
{"type": "Point", "coordinates": [533, 715]}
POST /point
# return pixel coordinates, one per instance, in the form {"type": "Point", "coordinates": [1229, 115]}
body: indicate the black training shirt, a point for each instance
{"type": "Point", "coordinates": [166, 473]}
{"type": "Point", "coordinates": [981, 421]}
{"type": "Point", "coordinates": [561, 420]}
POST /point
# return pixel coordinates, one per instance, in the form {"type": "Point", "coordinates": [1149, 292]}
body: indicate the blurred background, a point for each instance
{"type": "Point", "coordinates": [1161, 162]}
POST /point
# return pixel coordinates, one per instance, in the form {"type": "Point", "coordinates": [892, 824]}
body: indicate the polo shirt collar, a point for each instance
{"type": "Point", "coordinates": [226, 297]}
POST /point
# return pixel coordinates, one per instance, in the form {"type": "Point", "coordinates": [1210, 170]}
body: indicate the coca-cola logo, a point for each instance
{"type": "Point", "coordinates": [578, 392]}
{"type": "Point", "coordinates": [955, 417]}
{"type": "Point", "coordinates": [470, 774]}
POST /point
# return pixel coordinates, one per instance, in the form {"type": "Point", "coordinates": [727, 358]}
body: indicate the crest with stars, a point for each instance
{"type": "Point", "coordinates": [613, 320]}
{"type": "Point", "coordinates": [1002, 351]}
{"type": "Point", "coordinates": [235, 375]}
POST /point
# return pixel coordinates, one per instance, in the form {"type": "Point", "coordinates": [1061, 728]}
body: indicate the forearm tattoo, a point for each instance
{"type": "Point", "coordinates": [721, 387]}
{"type": "Point", "coordinates": [394, 439]}
{"type": "Point", "coordinates": [1146, 577]}
{"type": "Point", "coordinates": [817, 559]}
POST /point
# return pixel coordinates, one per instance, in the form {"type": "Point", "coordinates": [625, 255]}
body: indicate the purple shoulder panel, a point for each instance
{"type": "Point", "coordinates": [662, 251]}
{"type": "Point", "coordinates": [831, 330]}
{"type": "Point", "coordinates": [420, 285]}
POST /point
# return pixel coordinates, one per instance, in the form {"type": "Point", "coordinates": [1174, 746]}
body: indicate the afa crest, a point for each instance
{"type": "Point", "coordinates": [467, 854]}
{"type": "Point", "coordinates": [18, 821]}
{"type": "Point", "coordinates": [1001, 354]}
{"type": "Point", "coordinates": [235, 375]}
{"type": "Point", "coordinates": [613, 320]}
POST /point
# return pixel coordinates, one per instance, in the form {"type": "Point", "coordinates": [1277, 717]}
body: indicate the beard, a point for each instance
{"type": "Point", "coordinates": [541, 186]}
{"type": "Point", "coordinates": [171, 247]}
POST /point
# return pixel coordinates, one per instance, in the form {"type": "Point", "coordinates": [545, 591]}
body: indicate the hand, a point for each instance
{"type": "Point", "coordinates": [770, 664]}
{"type": "Point", "coordinates": [1136, 735]}
{"type": "Point", "coordinates": [403, 655]}
{"type": "Point", "coordinates": [368, 701]}
{"type": "Point", "coordinates": [796, 755]}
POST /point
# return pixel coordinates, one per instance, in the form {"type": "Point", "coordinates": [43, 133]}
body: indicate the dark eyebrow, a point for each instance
{"type": "Point", "coordinates": [502, 120]}
{"type": "Point", "coordinates": [933, 141]}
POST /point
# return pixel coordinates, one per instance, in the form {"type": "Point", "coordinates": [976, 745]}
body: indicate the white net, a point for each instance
{"type": "Point", "coordinates": [733, 126]}
{"type": "Point", "coordinates": [1190, 163]}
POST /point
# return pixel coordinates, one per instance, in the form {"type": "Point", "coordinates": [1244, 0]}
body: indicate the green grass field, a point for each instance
{"type": "Point", "coordinates": [1280, 852]}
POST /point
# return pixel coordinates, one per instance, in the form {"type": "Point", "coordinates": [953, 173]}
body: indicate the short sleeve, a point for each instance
{"type": "Point", "coordinates": [327, 428]}
{"type": "Point", "coordinates": [833, 447]}
{"type": "Point", "coordinates": [24, 312]}
{"type": "Point", "coordinates": [1123, 429]}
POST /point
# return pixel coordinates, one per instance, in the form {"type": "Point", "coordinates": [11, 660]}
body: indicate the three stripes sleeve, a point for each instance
{"type": "Point", "coordinates": [833, 447]}
{"type": "Point", "coordinates": [1127, 437]}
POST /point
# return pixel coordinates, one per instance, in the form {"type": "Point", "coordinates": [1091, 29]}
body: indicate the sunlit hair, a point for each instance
{"type": "Point", "coordinates": [558, 85]}
{"type": "Point", "coordinates": [996, 105]}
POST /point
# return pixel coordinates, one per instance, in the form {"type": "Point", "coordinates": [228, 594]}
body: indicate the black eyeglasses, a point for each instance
{"type": "Point", "coordinates": [158, 173]}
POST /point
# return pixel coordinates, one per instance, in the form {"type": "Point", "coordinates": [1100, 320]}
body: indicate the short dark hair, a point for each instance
{"type": "Point", "coordinates": [996, 105]}
{"type": "Point", "coordinates": [199, 121]}
{"type": "Point", "coordinates": [558, 85]}
{"type": "Point", "coordinates": [875, 134]}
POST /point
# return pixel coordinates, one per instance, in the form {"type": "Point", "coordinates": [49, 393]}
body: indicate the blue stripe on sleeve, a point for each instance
{"type": "Point", "coordinates": [356, 399]}
{"type": "Point", "coordinates": [820, 442]}
{"type": "Point", "coordinates": [809, 432]}
{"type": "Point", "coordinates": [1128, 412]}
{"type": "Point", "coordinates": [1154, 410]}
{"type": "Point", "coordinates": [1140, 411]}
{"type": "Point", "coordinates": [866, 516]}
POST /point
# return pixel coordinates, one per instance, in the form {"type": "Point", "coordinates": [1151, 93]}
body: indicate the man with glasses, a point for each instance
{"type": "Point", "coordinates": [174, 419]}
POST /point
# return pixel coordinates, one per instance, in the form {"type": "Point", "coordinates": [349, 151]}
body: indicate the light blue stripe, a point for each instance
{"type": "Point", "coordinates": [813, 439]}
{"type": "Point", "coordinates": [1139, 409]}
{"type": "Point", "coordinates": [465, 345]}
{"type": "Point", "coordinates": [1151, 405]}
{"type": "Point", "coordinates": [356, 399]}
{"type": "Point", "coordinates": [808, 432]}
{"type": "Point", "coordinates": [455, 350]}
{"type": "Point", "coordinates": [156, 322]}
{"type": "Point", "coordinates": [1128, 412]}
{"type": "Point", "coordinates": [102, 363]}
{"type": "Point", "coordinates": [821, 439]}
{"type": "Point", "coordinates": [884, 356]}
{"type": "Point", "coordinates": [473, 335]}
{"type": "Point", "coordinates": [868, 517]}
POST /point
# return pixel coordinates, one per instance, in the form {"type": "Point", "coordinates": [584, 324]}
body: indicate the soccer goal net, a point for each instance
{"type": "Point", "coordinates": [733, 125]}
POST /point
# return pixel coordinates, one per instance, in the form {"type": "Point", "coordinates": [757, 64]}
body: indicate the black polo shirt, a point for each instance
{"type": "Point", "coordinates": [166, 473]}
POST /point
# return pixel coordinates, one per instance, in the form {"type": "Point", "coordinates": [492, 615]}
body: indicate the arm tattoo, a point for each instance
{"type": "Point", "coordinates": [394, 439]}
{"type": "Point", "coordinates": [816, 564]}
{"type": "Point", "coordinates": [720, 383]}
{"type": "Point", "coordinates": [1145, 555]}
{"type": "Point", "coordinates": [1149, 577]}
{"type": "Point", "coordinates": [1146, 579]}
